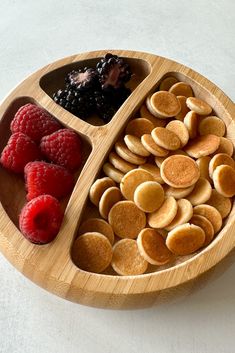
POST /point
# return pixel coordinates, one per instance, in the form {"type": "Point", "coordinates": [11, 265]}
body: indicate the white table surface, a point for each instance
{"type": "Point", "coordinates": [200, 34]}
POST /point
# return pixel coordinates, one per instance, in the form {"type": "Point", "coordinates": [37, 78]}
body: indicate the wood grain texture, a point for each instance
{"type": "Point", "coordinates": [50, 266]}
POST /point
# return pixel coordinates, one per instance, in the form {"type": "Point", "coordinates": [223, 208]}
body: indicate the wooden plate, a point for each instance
{"type": "Point", "coordinates": [51, 266]}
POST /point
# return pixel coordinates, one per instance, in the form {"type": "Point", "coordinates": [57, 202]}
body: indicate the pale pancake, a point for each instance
{"type": "Point", "coordinates": [182, 89]}
{"type": "Point", "coordinates": [166, 138]}
{"type": "Point", "coordinates": [210, 213]}
{"type": "Point", "coordinates": [198, 106]}
{"type": "Point", "coordinates": [119, 163]}
{"type": "Point", "coordinates": [108, 199]}
{"type": "Point", "coordinates": [149, 196]}
{"type": "Point", "coordinates": [167, 83]}
{"type": "Point", "coordinates": [127, 260]}
{"type": "Point", "coordinates": [92, 252]}
{"type": "Point", "coordinates": [183, 215]}
{"type": "Point", "coordinates": [203, 146]}
{"type": "Point", "coordinates": [152, 147]}
{"type": "Point", "coordinates": [139, 127]}
{"type": "Point", "coordinates": [206, 225]}
{"type": "Point", "coordinates": [134, 144]}
{"type": "Point", "coordinates": [112, 172]}
{"type": "Point", "coordinates": [165, 104]}
{"type": "Point", "coordinates": [224, 180]}
{"type": "Point", "coordinates": [221, 203]}
{"type": "Point", "coordinates": [97, 225]}
{"type": "Point", "coordinates": [126, 219]}
{"type": "Point", "coordinates": [184, 109]}
{"type": "Point", "coordinates": [185, 239]}
{"type": "Point", "coordinates": [191, 121]}
{"type": "Point", "coordinates": [179, 171]}
{"type": "Point", "coordinates": [123, 152]}
{"type": "Point", "coordinates": [180, 130]}
{"type": "Point", "coordinates": [203, 164]}
{"type": "Point", "coordinates": [98, 188]}
{"type": "Point", "coordinates": [212, 125]}
{"type": "Point", "coordinates": [219, 159]}
{"type": "Point", "coordinates": [225, 146]}
{"type": "Point", "coordinates": [177, 193]}
{"type": "Point", "coordinates": [131, 180]}
{"type": "Point", "coordinates": [201, 192]}
{"type": "Point", "coordinates": [164, 215]}
{"type": "Point", "coordinates": [152, 247]}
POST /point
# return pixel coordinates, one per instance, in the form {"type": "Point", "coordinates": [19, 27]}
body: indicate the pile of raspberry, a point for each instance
{"type": "Point", "coordinates": [47, 155]}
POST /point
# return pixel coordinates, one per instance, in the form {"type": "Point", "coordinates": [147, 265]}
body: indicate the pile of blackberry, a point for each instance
{"type": "Point", "coordinates": [99, 90]}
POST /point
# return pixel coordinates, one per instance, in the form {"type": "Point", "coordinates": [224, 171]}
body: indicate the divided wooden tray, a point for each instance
{"type": "Point", "coordinates": [51, 266]}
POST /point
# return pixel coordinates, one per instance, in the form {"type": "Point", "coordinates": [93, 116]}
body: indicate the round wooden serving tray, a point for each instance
{"type": "Point", "coordinates": [51, 266]}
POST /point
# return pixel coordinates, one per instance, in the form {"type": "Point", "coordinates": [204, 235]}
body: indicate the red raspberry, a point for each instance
{"type": "Point", "coordinates": [20, 150]}
{"type": "Point", "coordinates": [63, 147]}
{"type": "Point", "coordinates": [45, 178]}
{"type": "Point", "coordinates": [34, 122]}
{"type": "Point", "coordinates": [40, 219]}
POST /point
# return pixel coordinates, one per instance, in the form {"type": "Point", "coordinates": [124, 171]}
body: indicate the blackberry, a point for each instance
{"type": "Point", "coordinates": [113, 72]}
{"type": "Point", "coordinates": [82, 79]}
{"type": "Point", "coordinates": [103, 107]}
{"type": "Point", "coordinates": [78, 103]}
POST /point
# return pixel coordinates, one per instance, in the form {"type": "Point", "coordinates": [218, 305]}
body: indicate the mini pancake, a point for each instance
{"type": "Point", "coordinates": [221, 203]}
{"type": "Point", "coordinates": [108, 199]}
{"type": "Point", "coordinates": [126, 219]}
{"type": "Point", "coordinates": [176, 192]}
{"type": "Point", "coordinates": [139, 127]}
{"type": "Point", "coordinates": [191, 121]}
{"type": "Point", "coordinates": [206, 225]}
{"type": "Point", "coordinates": [98, 188]}
{"type": "Point", "coordinates": [203, 164]}
{"type": "Point", "coordinates": [182, 89]}
{"type": "Point", "coordinates": [183, 215]}
{"type": "Point", "coordinates": [203, 146]}
{"type": "Point", "coordinates": [97, 225]}
{"type": "Point", "coordinates": [201, 192]}
{"type": "Point", "coordinates": [185, 239]}
{"type": "Point", "coordinates": [123, 152]}
{"type": "Point", "coordinates": [149, 196]}
{"type": "Point", "coordinates": [92, 252]}
{"type": "Point", "coordinates": [165, 138]}
{"type": "Point", "coordinates": [210, 213]}
{"type": "Point", "coordinates": [184, 109]}
{"type": "Point", "coordinates": [164, 215]}
{"type": "Point", "coordinates": [127, 260]}
{"type": "Point", "coordinates": [154, 171]}
{"type": "Point", "coordinates": [219, 159]}
{"type": "Point", "coordinates": [131, 180]}
{"type": "Point", "coordinates": [212, 125]}
{"type": "Point", "coordinates": [152, 147]}
{"type": "Point", "coordinates": [167, 83]}
{"type": "Point", "coordinates": [225, 146]}
{"type": "Point", "coordinates": [152, 247]}
{"type": "Point", "coordinates": [179, 171]}
{"type": "Point", "coordinates": [119, 163]}
{"type": "Point", "coordinates": [224, 180]}
{"type": "Point", "coordinates": [134, 144]}
{"type": "Point", "coordinates": [112, 172]}
{"type": "Point", "coordinates": [180, 130]}
{"type": "Point", "coordinates": [198, 106]}
{"type": "Point", "coordinates": [150, 108]}
{"type": "Point", "coordinates": [145, 113]}
{"type": "Point", "coordinates": [165, 104]}
{"type": "Point", "coordinates": [159, 161]}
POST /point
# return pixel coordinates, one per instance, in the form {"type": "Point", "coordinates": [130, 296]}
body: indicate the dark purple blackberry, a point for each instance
{"type": "Point", "coordinates": [103, 107]}
{"type": "Point", "coordinates": [113, 71]}
{"type": "Point", "coordinates": [78, 103]}
{"type": "Point", "coordinates": [82, 79]}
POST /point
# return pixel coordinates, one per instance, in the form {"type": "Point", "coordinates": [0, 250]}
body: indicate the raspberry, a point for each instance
{"type": "Point", "coordinates": [20, 150]}
{"type": "Point", "coordinates": [63, 147]}
{"type": "Point", "coordinates": [45, 178]}
{"type": "Point", "coordinates": [34, 122]}
{"type": "Point", "coordinates": [40, 219]}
